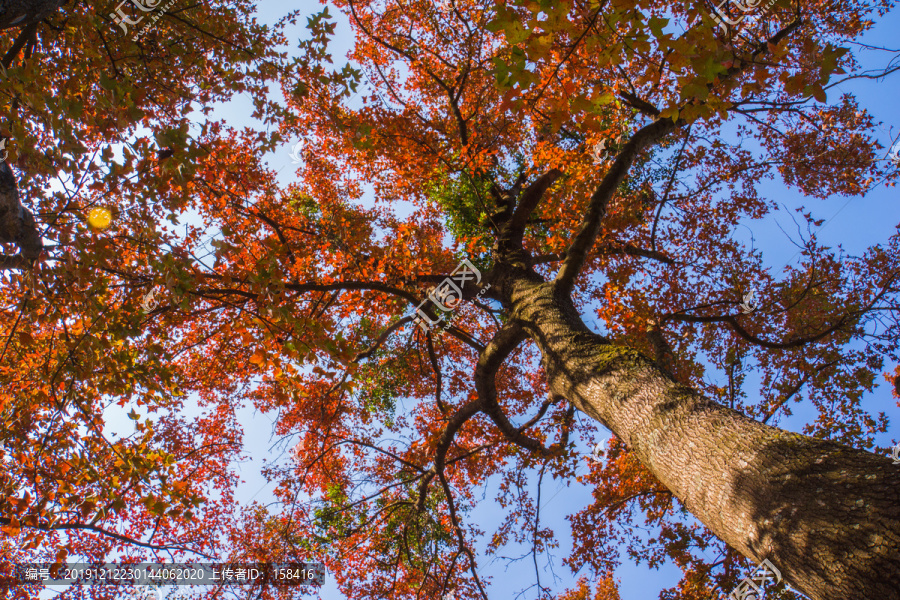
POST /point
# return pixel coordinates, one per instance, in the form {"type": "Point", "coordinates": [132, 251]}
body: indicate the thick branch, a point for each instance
{"type": "Point", "coordinates": [491, 357]}
{"type": "Point", "coordinates": [438, 385]}
{"type": "Point", "coordinates": [640, 104]}
{"type": "Point", "coordinates": [506, 340]}
{"type": "Point", "coordinates": [26, 35]}
{"type": "Point", "coordinates": [578, 251]}
{"type": "Point", "coordinates": [646, 136]}
{"type": "Point", "coordinates": [511, 238]}
{"type": "Point", "coordinates": [824, 513]}
{"type": "Point", "coordinates": [467, 411]}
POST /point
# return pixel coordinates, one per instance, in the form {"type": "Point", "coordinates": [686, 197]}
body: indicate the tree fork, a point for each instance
{"type": "Point", "coordinates": [826, 515]}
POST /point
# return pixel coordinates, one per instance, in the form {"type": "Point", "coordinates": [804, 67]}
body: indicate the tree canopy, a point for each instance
{"type": "Point", "coordinates": [586, 162]}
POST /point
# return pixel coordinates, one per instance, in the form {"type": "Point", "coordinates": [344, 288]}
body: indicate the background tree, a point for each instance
{"type": "Point", "coordinates": [579, 154]}
{"type": "Point", "coordinates": [95, 120]}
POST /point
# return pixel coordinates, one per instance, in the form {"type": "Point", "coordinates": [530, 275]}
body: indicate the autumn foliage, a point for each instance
{"type": "Point", "coordinates": [297, 300]}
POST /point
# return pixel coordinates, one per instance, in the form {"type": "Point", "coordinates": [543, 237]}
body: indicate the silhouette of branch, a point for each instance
{"type": "Point", "coordinates": [117, 536]}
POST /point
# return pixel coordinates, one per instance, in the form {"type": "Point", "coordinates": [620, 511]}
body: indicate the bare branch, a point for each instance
{"type": "Point", "coordinates": [753, 339]}
{"type": "Point", "coordinates": [381, 340]}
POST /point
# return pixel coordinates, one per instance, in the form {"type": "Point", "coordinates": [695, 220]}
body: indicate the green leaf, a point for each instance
{"type": "Point", "coordinates": [515, 33]}
{"type": "Point", "coordinates": [106, 83]}
{"type": "Point", "coordinates": [656, 25]}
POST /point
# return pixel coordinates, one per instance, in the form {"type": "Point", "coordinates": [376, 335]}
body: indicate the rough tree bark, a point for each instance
{"type": "Point", "coordinates": [826, 515]}
{"type": "Point", "coordinates": [17, 225]}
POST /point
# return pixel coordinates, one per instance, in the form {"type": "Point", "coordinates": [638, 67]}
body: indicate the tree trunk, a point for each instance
{"type": "Point", "coordinates": [19, 13]}
{"type": "Point", "coordinates": [826, 515]}
{"type": "Point", "coordinates": [17, 225]}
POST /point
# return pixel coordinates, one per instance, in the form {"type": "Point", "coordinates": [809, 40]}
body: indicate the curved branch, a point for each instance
{"type": "Point", "coordinates": [506, 340]}
{"type": "Point", "coordinates": [753, 339]}
{"type": "Point", "coordinates": [22, 13]}
{"type": "Point", "coordinates": [577, 253]}
{"type": "Point", "coordinates": [467, 411]}
{"type": "Point", "coordinates": [381, 340]}
{"type": "Point", "coordinates": [437, 372]}
{"type": "Point", "coordinates": [648, 135]}
{"type": "Point", "coordinates": [607, 250]}
{"type": "Point", "coordinates": [513, 232]}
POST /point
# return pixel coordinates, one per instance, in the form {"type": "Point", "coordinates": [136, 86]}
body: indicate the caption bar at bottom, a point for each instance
{"type": "Point", "coordinates": [311, 573]}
